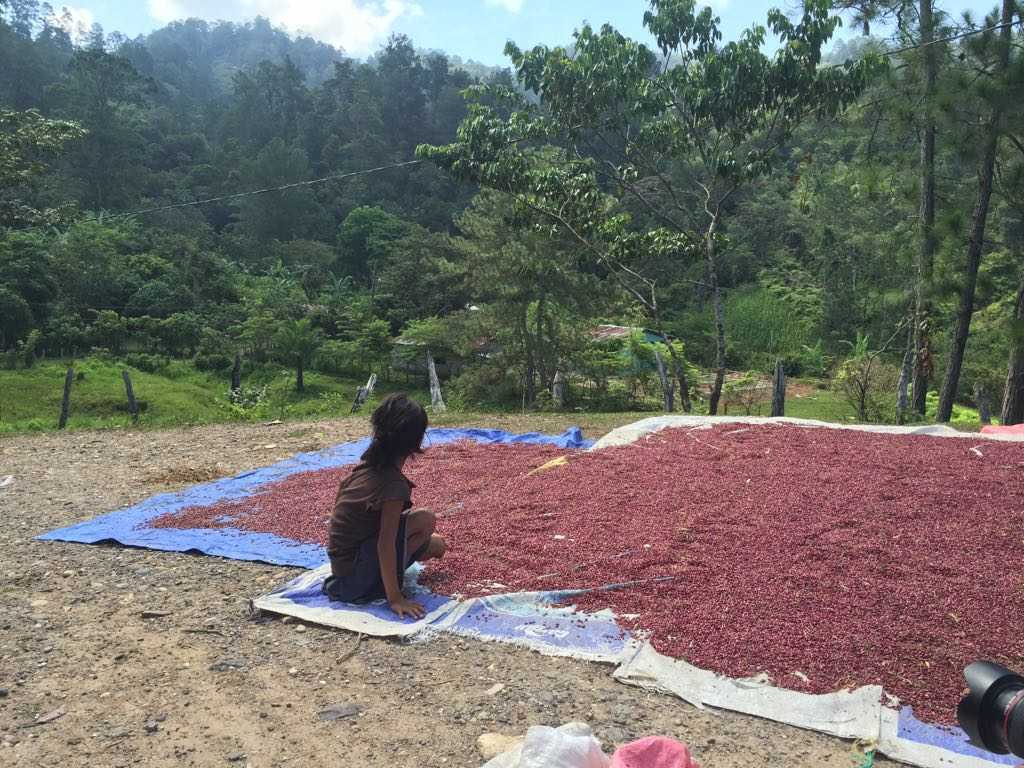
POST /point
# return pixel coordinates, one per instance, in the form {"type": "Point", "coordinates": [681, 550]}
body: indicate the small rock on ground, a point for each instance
{"type": "Point", "coordinates": [340, 711]}
{"type": "Point", "coordinates": [491, 745]}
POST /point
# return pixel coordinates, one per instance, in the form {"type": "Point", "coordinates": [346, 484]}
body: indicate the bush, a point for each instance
{"type": "Point", "coordinates": [544, 402]}
{"type": "Point", "coordinates": [27, 347]}
{"type": "Point", "coordinates": [762, 328]}
{"type": "Point", "coordinates": [178, 369]}
{"type": "Point", "coordinates": [868, 383]}
{"type": "Point", "coordinates": [813, 361]}
{"type": "Point", "coordinates": [698, 330]}
{"type": "Point", "coordinates": [248, 397]}
{"type": "Point", "coordinates": [337, 357]}
{"type": "Point", "coordinates": [148, 363]}
{"type": "Point", "coordinates": [214, 361]}
{"type": "Point", "coordinates": [962, 418]}
{"type": "Point", "coordinates": [747, 392]}
{"type": "Point", "coordinates": [109, 330]}
{"type": "Point", "coordinates": [486, 385]}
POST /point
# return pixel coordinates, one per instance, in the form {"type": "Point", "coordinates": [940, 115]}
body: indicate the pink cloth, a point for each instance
{"type": "Point", "coordinates": [1016, 429]}
{"type": "Point", "coordinates": [653, 752]}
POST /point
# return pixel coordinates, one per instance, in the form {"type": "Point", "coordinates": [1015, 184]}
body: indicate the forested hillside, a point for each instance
{"type": "Point", "coordinates": [856, 212]}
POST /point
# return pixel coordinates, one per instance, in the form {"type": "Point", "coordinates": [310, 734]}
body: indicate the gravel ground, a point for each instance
{"type": "Point", "coordinates": [147, 658]}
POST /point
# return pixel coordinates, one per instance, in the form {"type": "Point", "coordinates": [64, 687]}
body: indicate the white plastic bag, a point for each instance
{"type": "Point", "coordinates": [570, 746]}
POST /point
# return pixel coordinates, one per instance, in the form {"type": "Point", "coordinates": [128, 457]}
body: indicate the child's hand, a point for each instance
{"type": "Point", "coordinates": [404, 607]}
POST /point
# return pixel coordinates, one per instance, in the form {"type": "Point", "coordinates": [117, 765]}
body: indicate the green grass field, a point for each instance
{"type": "Point", "coordinates": [181, 395]}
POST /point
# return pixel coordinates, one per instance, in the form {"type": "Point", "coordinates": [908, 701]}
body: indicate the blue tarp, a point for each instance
{"type": "Point", "coordinates": [948, 738]}
{"type": "Point", "coordinates": [130, 526]}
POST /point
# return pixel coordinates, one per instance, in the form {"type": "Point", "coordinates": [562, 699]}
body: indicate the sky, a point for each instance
{"type": "Point", "coordinates": [472, 29]}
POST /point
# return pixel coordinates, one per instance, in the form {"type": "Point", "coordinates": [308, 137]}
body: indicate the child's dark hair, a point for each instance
{"type": "Point", "coordinates": [399, 424]}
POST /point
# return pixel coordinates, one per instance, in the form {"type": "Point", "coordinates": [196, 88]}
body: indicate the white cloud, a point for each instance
{"type": "Point", "coordinates": [75, 21]}
{"type": "Point", "coordinates": [512, 6]}
{"type": "Point", "coordinates": [165, 11]}
{"type": "Point", "coordinates": [358, 26]}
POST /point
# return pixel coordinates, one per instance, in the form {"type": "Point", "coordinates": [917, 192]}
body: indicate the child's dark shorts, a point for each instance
{"type": "Point", "coordinates": [363, 584]}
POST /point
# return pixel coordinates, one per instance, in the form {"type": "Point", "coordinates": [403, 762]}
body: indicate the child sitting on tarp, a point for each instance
{"type": "Point", "coordinates": [373, 537]}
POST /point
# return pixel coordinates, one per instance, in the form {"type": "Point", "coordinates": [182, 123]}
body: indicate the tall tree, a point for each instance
{"type": "Point", "coordinates": [1001, 89]}
{"type": "Point", "coordinates": [529, 281]}
{"type": "Point", "coordinates": [284, 215]}
{"type": "Point", "coordinates": [680, 135]}
{"type": "Point", "coordinates": [926, 253]}
{"type": "Point", "coordinates": [269, 103]}
{"type": "Point", "coordinates": [295, 342]}
{"type": "Point", "coordinates": [865, 13]}
{"type": "Point", "coordinates": [1013, 398]}
{"type": "Point", "coordinates": [1010, 177]}
{"type": "Point", "coordinates": [105, 93]}
{"type": "Point", "coordinates": [364, 238]}
{"type": "Point", "coordinates": [25, 139]}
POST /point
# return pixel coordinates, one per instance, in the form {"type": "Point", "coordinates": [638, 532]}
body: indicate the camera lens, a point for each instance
{"type": "Point", "coordinates": [991, 713]}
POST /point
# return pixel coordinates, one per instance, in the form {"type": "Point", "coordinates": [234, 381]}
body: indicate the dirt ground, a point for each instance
{"type": "Point", "coordinates": [151, 658]}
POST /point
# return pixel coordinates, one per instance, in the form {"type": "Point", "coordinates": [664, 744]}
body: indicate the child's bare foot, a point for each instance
{"type": "Point", "coordinates": [436, 548]}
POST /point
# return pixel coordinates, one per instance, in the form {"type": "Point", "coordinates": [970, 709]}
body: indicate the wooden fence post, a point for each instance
{"type": "Point", "coordinates": [436, 401]}
{"type": "Point", "coordinates": [558, 390]}
{"type": "Point", "coordinates": [363, 393]}
{"type": "Point", "coordinates": [65, 403]}
{"type": "Point", "coordinates": [779, 391]}
{"type": "Point", "coordinates": [133, 407]}
{"type": "Point", "coordinates": [236, 373]}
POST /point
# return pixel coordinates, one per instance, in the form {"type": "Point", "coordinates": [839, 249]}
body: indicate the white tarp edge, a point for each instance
{"type": "Point", "coordinates": [846, 714]}
{"type": "Point", "coordinates": [319, 610]}
{"type": "Point", "coordinates": [529, 619]}
{"type": "Point", "coordinates": [638, 430]}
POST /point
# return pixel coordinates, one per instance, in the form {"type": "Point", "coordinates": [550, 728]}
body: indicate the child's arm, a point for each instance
{"type": "Point", "coordinates": [390, 515]}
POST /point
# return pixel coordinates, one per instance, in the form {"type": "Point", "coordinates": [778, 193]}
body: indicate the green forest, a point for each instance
{"type": "Point", "coordinates": [252, 223]}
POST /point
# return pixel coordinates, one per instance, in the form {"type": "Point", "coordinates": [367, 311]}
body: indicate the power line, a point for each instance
{"type": "Point", "coordinates": [236, 195]}
{"type": "Point", "coordinates": [952, 38]}
{"type": "Point", "coordinates": [248, 193]}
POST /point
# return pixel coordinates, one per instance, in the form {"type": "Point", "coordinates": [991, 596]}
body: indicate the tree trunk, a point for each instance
{"type": "Point", "coordinates": [1013, 398]}
{"type": "Point", "coordinates": [668, 389]}
{"type": "Point", "coordinates": [65, 403]}
{"type": "Point", "coordinates": [558, 390]}
{"type": "Point", "coordinates": [965, 311]}
{"type": "Point", "coordinates": [779, 391]}
{"type": "Point", "coordinates": [530, 391]}
{"type": "Point", "coordinates": [906, 372]}
{"type": "Point", "coordinates": [678, 369]}
{"type": "Point", "coordinates": [538, 343]}
{"type": "Point", "coordinates": [684, 385]}
{"type": "Point", "coordinates": [300, 382]}
{"type": "Point", "coordinates": [236, 373]}
{"type": "Point", "coordinates": [926, 252]}
{"type": "Point", "coordinates": [129, 391]}
{"type": "Point", "coordinates": [436, 401]}
{"type": "Point", "coordinates": [716, 295]}
{"type": "Point", "coordinates": [984, 405]}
